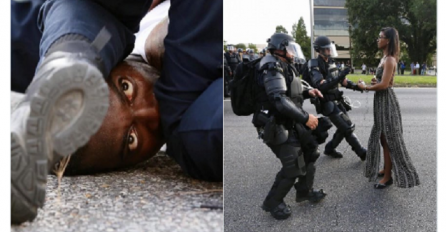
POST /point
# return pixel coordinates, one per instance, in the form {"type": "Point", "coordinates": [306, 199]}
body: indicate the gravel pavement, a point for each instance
{"type": "Point", "coordinates": [153, 196]}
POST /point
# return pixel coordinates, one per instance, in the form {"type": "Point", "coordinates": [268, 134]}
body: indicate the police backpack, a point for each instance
{"type": "Point", "coordinates": [243, 88]}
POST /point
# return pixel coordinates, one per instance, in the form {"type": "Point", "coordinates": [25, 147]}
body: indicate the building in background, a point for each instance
{"type": "Point", "coordinates": [331, 20]}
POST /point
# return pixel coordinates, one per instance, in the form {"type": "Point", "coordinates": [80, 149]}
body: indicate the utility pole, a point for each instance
{"type": "Point", "coordinates": [311, 28]}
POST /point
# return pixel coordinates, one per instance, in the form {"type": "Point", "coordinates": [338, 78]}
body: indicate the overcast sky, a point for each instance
{"type": "Point", "coordinates": [253, 21]}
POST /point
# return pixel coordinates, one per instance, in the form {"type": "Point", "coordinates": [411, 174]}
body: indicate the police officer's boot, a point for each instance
{"type": "Point", "coordinates": [356, 146]}
{"type": "Point", "coordinates": [280, 212]}
{"type": "Point", "coordinates": [330, 148]}
{"type": "Point", "coordinates": [273, 202]}
{"type": "Point", "coordinates": [304, 187]}
{"type": "Point", "coordinates": [62, 108]}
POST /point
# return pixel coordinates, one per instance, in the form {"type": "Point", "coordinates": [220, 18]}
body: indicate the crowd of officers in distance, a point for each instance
{"type": "Point", "coordinates": [234, 56]}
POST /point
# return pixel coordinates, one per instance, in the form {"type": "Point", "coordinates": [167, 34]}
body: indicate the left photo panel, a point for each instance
{"type": "Point", "coordinates": [116, 117]}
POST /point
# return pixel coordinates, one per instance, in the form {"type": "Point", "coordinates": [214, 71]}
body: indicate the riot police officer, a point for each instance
{"type": "Point", "coordinates": [262, 53]}
{"type": "Point", "coordinates": [323, 74]}
{"type": "Point", "coordinates": [232, 57]}
{"type": "Point", "coordinates": [240, 53]}
{"type": "Point", "coordinates": [227, 75]}
{"type": "Point", "coordinates": [284, 126]}
{"type": "Point", "coordinates": [246, 58]}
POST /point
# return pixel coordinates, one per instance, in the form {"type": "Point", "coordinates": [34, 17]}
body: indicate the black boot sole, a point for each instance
{"type": "Point", "coordinates": [65, 110]}
{"type": "Point", "coordinates": [334, 155]}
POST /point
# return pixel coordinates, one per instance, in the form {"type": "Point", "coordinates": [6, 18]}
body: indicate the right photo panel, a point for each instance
{"type": "Point", "coordinates": [330, 115]}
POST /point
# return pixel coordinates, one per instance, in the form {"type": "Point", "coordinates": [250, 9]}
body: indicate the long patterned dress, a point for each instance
{"type": "Point", "coordinates": [387, 121]}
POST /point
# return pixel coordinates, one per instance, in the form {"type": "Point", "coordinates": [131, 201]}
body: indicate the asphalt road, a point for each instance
{"type": "Point", "coordinates": [352, 204]}
{"type": "Point", "coordinates": [153, 196]}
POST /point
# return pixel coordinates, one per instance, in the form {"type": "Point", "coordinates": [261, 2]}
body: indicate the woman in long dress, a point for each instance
{"type": "Point", "coordinates": [387, 128]}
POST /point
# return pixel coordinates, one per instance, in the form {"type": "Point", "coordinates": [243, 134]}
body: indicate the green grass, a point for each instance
{"type": "Point", "coordinates": [400, 81]}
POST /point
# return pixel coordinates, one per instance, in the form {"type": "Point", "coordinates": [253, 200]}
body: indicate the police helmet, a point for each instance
{"type": "Point", "coordinates": [284, 42]}
{"type": "Point", "coordinates": [323, 42]}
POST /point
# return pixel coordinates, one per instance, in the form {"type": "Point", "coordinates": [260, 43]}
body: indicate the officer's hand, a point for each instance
{"type": "Point", "coordinates": [344, 73]}
{"type": "Point", "coordinates": [312, 122]}
{"type": "Point", "coordinates": [374, 81]}
{"type": "Point", "coordinates": [315, 93]}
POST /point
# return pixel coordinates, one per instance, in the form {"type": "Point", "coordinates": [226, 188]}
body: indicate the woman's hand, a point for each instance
{"type": "Point", "coordinates": [373, 81]}
{"type": "Point", "coordinates": [361, 84]}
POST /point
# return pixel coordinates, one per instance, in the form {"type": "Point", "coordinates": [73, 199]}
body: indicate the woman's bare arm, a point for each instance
{"type": "Point", "coordinates": [389, 67]}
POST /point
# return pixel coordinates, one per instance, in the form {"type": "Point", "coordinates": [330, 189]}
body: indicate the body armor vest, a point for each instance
{"type": "Point", "coordinates": [233, 59]}
{"type": "Point", "coordinates": [295, 91]}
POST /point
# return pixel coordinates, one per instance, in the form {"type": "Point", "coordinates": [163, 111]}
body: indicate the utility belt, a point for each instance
{"type": "Point", "coordinates": [326, 107]}
{"type": "Point", "coordinates": [272, 132]}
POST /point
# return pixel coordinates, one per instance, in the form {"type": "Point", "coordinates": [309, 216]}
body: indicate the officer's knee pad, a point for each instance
{"type": "Point", "coordinates": [313, 156]}
{"type": "Point", "coordinates": [349, 131]}
{"type": "Point", "coordinates": [292, 160]}
{"type": "Point", "coordinates": [343, 123]}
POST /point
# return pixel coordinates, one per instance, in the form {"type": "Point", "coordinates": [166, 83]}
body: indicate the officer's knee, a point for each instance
{"type": "Point", "coordinates": [313, 156]}
{"type": "Point", "coordinates": [348, 131]}
{"type": "Point", "coordinates": [291, 168]}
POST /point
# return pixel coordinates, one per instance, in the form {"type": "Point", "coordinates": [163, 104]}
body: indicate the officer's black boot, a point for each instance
{"type": "Point", "coordinates": [312, 196]}
{"type": "Point", "coordinates": [62, 108]}
{"type": "Point", "coordinates": [274, 203]}
{"type": "Point", "coordinates": [356, 146]}
{"type": "Point", "coordinates": [330, 148]}
{"type": "Point", "coordinates": [304, 187]}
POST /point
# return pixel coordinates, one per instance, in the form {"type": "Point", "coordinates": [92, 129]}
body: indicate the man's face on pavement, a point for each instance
{"type": "Point", "coordinates": [131, 129]}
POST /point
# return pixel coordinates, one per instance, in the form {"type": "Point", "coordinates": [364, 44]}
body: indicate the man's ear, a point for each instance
{"type": "Point", "coordinates": [154, 45]}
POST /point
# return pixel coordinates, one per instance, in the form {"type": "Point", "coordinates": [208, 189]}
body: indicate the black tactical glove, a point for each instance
{"type": "Point", "coordinates": [355, 87]}
{"type": "Point", "coordinates": [344, 73]}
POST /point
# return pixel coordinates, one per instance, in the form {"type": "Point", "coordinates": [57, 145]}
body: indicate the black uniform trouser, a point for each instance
{"type": "Point", "coordinates": [345, 128]}
{"type": "Point", "coordinates": [288, 153]}
{"type": "Point", "coordinates": [190, 88]}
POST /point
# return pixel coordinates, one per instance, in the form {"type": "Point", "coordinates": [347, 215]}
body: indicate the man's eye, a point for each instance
{"type": "Point", "coordinates": [132, 141]}
{"type": "Point", "coordinates": [127, 88]}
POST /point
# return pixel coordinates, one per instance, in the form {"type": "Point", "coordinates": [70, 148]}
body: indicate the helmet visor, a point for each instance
{"type": "Point", "coordinates": [295, 50]}
{"type": "Point", "coordinates": [230, 48]}
{"type": "Point", "coordinates": [332, 48]}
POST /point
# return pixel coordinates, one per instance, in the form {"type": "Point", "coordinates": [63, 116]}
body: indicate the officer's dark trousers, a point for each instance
{"type": "Point", "coordinates": [25, 38]}
{"type": "Point", "coordinates": [190, 89]}
{"type": "Point", "coordinates": [340, 133]}
{"type": "Point", "coordinates": [57, 18]}
{"type": "Point", "coordinates": [287, 175]}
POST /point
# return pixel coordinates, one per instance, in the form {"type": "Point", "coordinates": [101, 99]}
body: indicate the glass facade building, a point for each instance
{"type": "Point", "coordinates": [328, 21]}
{"type": "Point", "coordinates": [338, 3]}
{"type": "Point", "coordinates": [331, 19]}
